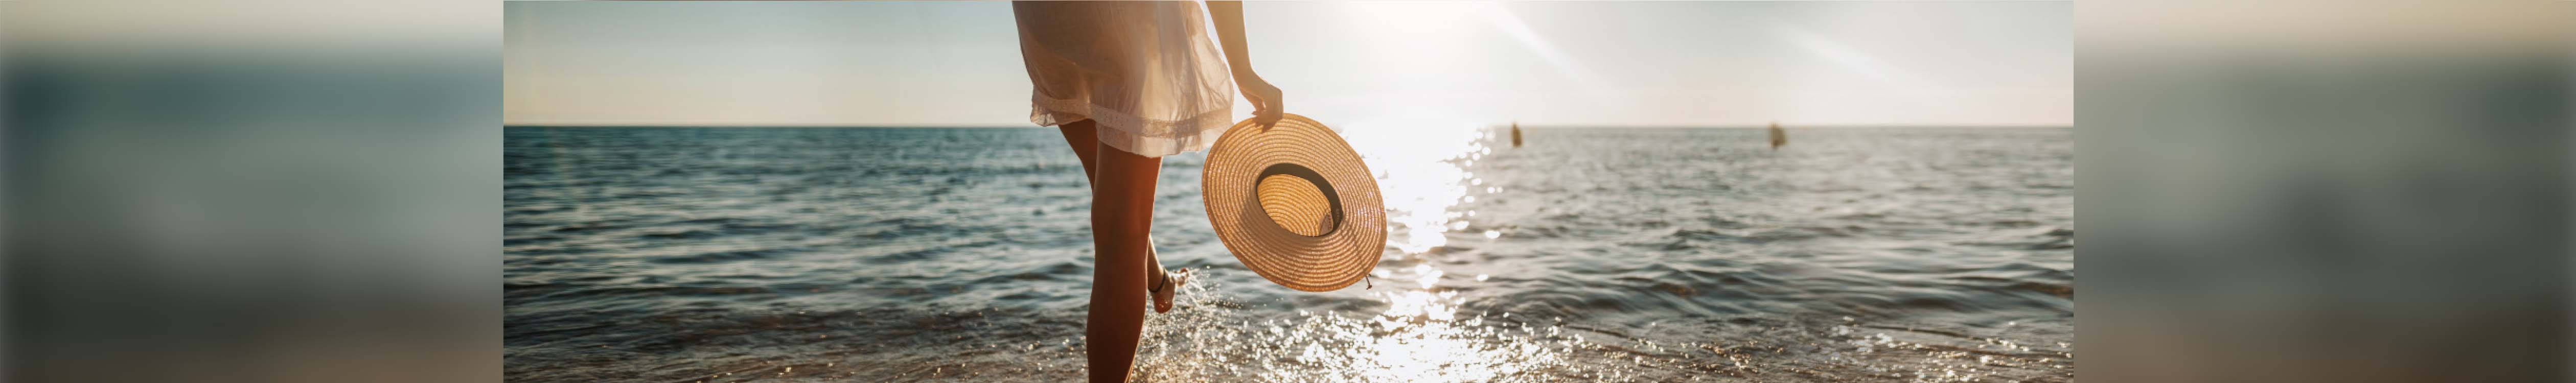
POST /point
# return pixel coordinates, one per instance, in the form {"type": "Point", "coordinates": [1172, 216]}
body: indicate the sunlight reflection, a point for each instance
{"type": "Point", "coordinates": [1421, 163]}
{"type": "Point", "coordinates": [1421, 337]}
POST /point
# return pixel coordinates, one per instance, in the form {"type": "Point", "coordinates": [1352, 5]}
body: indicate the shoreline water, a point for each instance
{"type": "Point", "coordinates": [1619, 254]}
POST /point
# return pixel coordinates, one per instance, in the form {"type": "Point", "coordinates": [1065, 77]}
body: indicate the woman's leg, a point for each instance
{"type": "Point", "coordinates": [1122, 210]}
{"type": "Point", "coordinates": [1084, 136]}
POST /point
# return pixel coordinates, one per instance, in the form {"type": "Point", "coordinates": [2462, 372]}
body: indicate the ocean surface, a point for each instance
{"type": "Point", "coordinates": [1588, 254]}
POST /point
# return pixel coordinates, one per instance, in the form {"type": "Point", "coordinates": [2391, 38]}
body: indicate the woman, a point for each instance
{"type": "Point", "coordinates": [1130, 82]}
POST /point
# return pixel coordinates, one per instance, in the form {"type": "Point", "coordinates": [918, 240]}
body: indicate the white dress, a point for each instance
{"type": "Point", "coordinates": [1145, 71]}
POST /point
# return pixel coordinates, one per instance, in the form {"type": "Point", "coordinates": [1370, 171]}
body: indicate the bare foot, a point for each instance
{"type": "Point", "coordinates": [1162, 289]}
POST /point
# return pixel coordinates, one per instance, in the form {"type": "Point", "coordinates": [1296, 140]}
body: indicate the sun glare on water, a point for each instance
{"type": "Point", "coordinates": [1421, 164]}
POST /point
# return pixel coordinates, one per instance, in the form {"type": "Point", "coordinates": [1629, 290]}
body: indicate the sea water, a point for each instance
{"type": "Point", "coordinates": [1587, 254]}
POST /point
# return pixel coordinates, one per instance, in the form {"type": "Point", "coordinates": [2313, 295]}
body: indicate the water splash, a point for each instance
{"type": "Point", "coordinates": [1418, 338]}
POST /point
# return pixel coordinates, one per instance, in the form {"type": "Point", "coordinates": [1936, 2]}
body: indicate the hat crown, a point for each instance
{"type": "Point", "coordinates": [1298, 200]}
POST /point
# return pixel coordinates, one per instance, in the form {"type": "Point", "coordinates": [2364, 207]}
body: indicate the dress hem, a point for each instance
{"type": "Point", "coordinates": [1122, 131]}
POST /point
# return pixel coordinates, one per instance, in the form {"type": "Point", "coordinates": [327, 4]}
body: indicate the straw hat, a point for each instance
{"type": "Point", "coordinates": [1294, 203]}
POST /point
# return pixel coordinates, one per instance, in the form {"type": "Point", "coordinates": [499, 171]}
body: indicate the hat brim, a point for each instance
{"type": "Point", "coordinates": [1327, 262]}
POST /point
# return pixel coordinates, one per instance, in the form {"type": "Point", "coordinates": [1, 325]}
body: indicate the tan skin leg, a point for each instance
{"type": "Point", "coordinates": [1122, 210]}
{"type": "Point", "coordinates": [1084, 136]}
{"type": "Point", "coordinates": [1122, 213]}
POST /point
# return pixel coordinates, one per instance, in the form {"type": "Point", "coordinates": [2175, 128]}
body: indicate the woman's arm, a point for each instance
{"type": "Point", "coordinates": [1229, 32]}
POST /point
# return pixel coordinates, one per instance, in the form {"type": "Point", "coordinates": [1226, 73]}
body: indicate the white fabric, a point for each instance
{"type": "Point", "coordinates": [1146, 72]}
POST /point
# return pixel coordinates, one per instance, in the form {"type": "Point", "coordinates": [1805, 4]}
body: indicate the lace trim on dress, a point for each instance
{"type": "Point", "coordinates": [1119, 129]}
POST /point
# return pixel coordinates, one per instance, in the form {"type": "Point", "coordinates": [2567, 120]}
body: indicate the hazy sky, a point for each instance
{"type": "Point", "coordinates": [1541, 63]}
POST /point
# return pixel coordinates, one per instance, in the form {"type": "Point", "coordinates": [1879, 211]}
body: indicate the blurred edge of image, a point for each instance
{"type": "Point", "coordinates": [305, 191]}
{"type": "Point", "coordinates": [259, 191]}
{"type": "Point", "coordinates": [2324, 191]}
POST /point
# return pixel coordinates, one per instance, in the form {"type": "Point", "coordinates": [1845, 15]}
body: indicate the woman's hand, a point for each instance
{"type": "Point", "coordinates": [1264, 98]}
{"type": "Point", "coordinates": [1228, 16]}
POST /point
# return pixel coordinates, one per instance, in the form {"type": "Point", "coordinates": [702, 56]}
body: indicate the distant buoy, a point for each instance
{"type": "Point", "coordinates": [1778, 137]}
{"type": "Point", "coordinates": [1516, 134]}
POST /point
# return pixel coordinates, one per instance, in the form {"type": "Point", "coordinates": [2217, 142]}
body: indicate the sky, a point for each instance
{"type": "Point", "coordinates": [1536, 63]}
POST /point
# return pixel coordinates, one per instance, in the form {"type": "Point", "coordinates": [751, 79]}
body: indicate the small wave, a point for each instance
{"type": "Point", "coordinates": [928, 252]}
{"type": "Point", "coordinates": [2054, 239]}
{"type": "Point", "coordinates": [2029, 278]}
{"type": "Point", "coordinates": [1860, 216]}
{"type": "Point", "coordinates": [1019, 277]}
{"type": "Point", "coordinates": [906, 228]}
{"type": "Point", "coordinates": [1724, 223]}
{"type": "Point", "coordinates": [721, 256]}
{"type": "Point", "coordinates": [515, 241]}
{"type": "Point", "coordinates": [2059, 290]}
{"type": "Point", "coordinates": [1676, 288]}
{"type": "Point", "coordinates": [588, 228]}
{"type": "Point", "coordinates": [2013, 223]}
{"type": "Point", "coordinates": [684, 291]}
{"type": "Point", "coordinates": [1543, 231]}
{"type": "Point", "coordinates": [1767, 236]}
{"type": "Point", "coordinates": [691, 234]}
{"type": "Point", "coordinates": [1674, 245]}
{"type": "Point", "coordinates": [1703, 235]}
{"type": "Point", "coordinates": [713, 220]}
{"type": "Point", "coordinates": [754, 227]}
{"type": "Point", "coordinates": [507, 286]}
